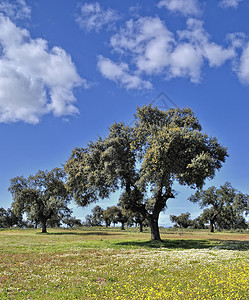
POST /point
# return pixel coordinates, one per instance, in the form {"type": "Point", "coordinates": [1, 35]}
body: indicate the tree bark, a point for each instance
{"type": "Point", "coordinates": [155, 234]}
{"type": "Point", "coordinates": [36, 224]}
{"type": "Point", "coordinates": [211, 226]}
{"type": "Point", "coordinates": [44, 226]}
{"type": "Point", "coordinates": [212, 220]}
{"type": "Point", "coordinates": [141, 227]}
{"type": "Point", "coordinates": [161, 200]}
{"type": "Point", "coordinates": [122, 226]}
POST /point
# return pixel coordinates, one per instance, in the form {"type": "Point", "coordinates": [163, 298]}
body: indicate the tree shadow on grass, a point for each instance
{"type": "Point", "coordinates": [79, 233]}
{"type": "Point", "coordinates": [233, 245]}
{"type": "Point", "coordinates": [188, 244]}
{"type": "Point", "coordinates": [171, 244]}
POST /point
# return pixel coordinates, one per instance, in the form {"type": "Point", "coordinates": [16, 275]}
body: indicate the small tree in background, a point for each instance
{"type": "Point", "coordinates": [123, 216]}
{"type": "Point", "coordinates": [199, 223]}
{"type": "Point", "coordinates": [9, 219]}
{"type": "Point", "coordinates": [107, 217]}
{"type": "Point", "coordinates": [3, 218]}
{"type": "Point", "coordinates": [89, 220]}
{"type": "Point", "coordinates": [41, 196]}
{"type": "Point", "coordinates": [140, 220]}
{"type": "Point", "coordinates": [182, 221]}
{"type": "Point", "coordinates": [71, 221]}
{"type": "Point", "coordinates": [114, 212]}
{"type": "Point", "coordinates": [225, 206]}
{"type": "Point", "coordinates": [97, 216]}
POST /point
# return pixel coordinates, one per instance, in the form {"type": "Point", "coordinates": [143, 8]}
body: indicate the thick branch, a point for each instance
{"type": "Point", "coordinates": [161, 200]}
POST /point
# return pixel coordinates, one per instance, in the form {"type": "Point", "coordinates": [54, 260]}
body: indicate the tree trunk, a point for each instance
{"type": "Point", "coordinates": [161, 199]}
{"type": "Point", "coordinates": [212, 220]}
{"type": "Point", "coordinates": [141, 227]}
{"type": "Point", "coordinates": [44, 226]}
{"type": "Point", "coordinates": [211, 226]}
{"type": "Point", "coordinates": [122, 226]}
{"type": "Point", "coordinates": [155, 234]}
{"type": "Point", "coordinates": [36, 225]}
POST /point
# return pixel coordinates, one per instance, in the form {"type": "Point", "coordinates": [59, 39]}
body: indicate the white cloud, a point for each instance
{"type": "Point", "coordinates": [237, 39]}
{"type": "Point", "coordinates": [17, 9]}
{"type": "Point", "coordinates": [242, 68]}
{"type": "Point", "coordinates": [229, 3]}
{"type": "Point", "coordinates": [184, 7]}
{"type": "Point", "coordinates": [121, 74]}
{"type": "Point", "coordinates": [34, 80]}
{"type": "Point", "coordinates": [93, 17]}
{"type": "Point", "coordinates": [215, 54]}
{"type": "Point", "coordinates": [186, 61]}
{"type": "Point", "coordinates": [148, 41]}
{"type": "Point", "coordinates": [154, 50]}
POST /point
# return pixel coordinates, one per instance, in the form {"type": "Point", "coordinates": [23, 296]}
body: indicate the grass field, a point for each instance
{"type": "Point", "coordinates": [115, 264]}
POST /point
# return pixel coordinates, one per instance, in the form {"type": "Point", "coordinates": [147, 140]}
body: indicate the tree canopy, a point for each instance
{"type": "Point", "coordinates": [144, 160]}
{"type": "Point", "coordinates": [225, 206]}
{"type": "Point", "coordinates": [183, 220]}
{"type": "Point", "coordinates": [42, 196]}
{"type": "Point", "coordinates": [8, 218]}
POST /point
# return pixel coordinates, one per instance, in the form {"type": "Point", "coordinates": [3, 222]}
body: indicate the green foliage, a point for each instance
{"type": "Point", "coordinates": [96, 171]}
{"type": "Point", "coordinates": [71, 221]}
{"type": "Point", "coordinates": [199, 222]}
{"type": "Point", "coordinates": [8, 218]}
{"type": "Point", "coordinates": [174, 148]}
{"type": "Point", "coordinates": [112, 215]}
{"type": "Point", "coordinates": [225, 206]}
{"type": "Point", "coordinates": [183, 220]}
{"type": "Point", "coordinates": [146, 159]}
{"type": "Point", "coordinates": [42, 196]}
{"type": "Point", "coordinates": [97, 219]}
{"type": "Point", "coordinates": [89, 220]}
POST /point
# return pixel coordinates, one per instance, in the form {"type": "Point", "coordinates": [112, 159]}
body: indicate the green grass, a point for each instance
{"type": "Point", "coordinates": [113, 264]}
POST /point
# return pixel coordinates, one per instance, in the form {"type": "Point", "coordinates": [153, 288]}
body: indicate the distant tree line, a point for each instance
{"type": "Point", "coordinates": [9, 219]}
{"type": "Point", "coordinates": [224, 208]}
{"type": "Point", "coordinates": [114, 215]}
{"type": "Point", "coordinates": [142, 161]}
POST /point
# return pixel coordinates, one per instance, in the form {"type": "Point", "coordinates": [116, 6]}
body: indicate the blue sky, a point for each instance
{"type": "Point", "coordinates": [69, 69]}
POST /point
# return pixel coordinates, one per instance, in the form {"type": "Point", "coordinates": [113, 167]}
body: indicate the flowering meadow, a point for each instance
{"type": "Point", "coordinates": [110, 264]}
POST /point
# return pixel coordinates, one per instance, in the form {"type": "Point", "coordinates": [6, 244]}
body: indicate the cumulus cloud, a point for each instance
{"type": "Point", "coordinates": [237, 39]}
{"type": "Point", "coordinates": [93, 17]}
{"type": "Point", "coordinates": [184, 7]}
{"type": "Point", "coordinates": [154, 50]}
{"type": "Point", "coordinates": [148, 42]}
{"type": "Point", "coordinates": [34, 80]}
{"type": "Point", "coordinates": [121, 74]}
{"type": "Point", "coordinates": [15, 10]}
{"type": "Point", "coordinates": [242, 67]}
{"type": "Point", "coordinates": [215, 54]}
{"type": "Point", "coordinates": [186, 61]}
{"type": "Point", "coordinates": [229, 3]}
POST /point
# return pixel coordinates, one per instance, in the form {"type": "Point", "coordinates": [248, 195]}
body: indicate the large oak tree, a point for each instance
{"type": "Point", "coordinates": [144, 160]}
